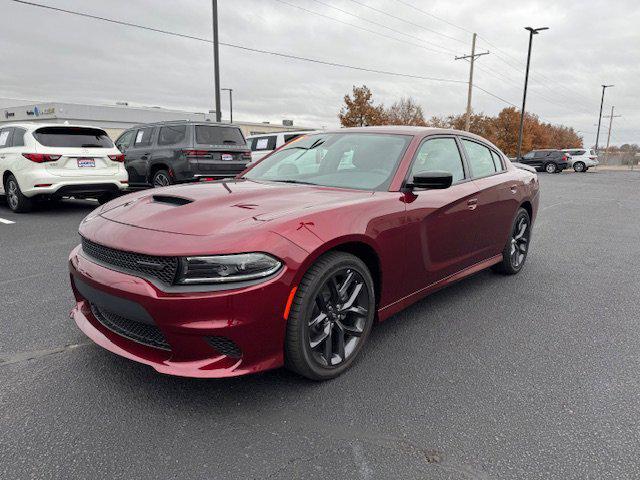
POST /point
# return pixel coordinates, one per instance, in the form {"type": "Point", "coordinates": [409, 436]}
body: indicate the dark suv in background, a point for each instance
{"type": "Point", "coordinates": [549, 160]}
{"type": "Point", "coordinates": [161, 154]}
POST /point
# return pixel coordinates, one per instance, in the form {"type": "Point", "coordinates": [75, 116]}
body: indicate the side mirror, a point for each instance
{"type": "Point", "coordinates": [431, 180]}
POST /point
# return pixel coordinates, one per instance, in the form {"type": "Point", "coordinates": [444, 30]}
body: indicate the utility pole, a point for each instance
{"type": "Point", "coordinates": [532, 32]}
{"type": "Point", "coordinates": [611, 117]}
{"type": "Point", "coordinates": [472, 59]}
{"type": "Point", "coordinates": [216, 60]}
{"type": "Point", "coordinates": [604, 87]}
{"type": "Point", "coordinates": [230, 90]}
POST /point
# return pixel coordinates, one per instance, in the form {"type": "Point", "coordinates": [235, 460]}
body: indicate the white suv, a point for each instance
{"type": "Point", "coordinates": [53, 160]}
{"type": "Point", "coordinates": [581, 158]}
{"type": "Point", "coordinates": [262, 145]}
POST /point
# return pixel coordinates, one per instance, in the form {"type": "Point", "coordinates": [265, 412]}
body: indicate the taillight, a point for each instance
{"type": "Point", "coordinates": [41, 157]}
{"type": "Point", "coordinates": [117, 158]}
{"type": "Point", "coordinates": [246, 156]}
{"type": "Point", "coordinates": [564, 158]}
{"type": "Point", "coordinates": [196, 153]}
{"type": "Point", "coordinates": [592, 158]}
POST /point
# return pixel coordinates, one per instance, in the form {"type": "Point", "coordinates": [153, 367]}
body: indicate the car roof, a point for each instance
{"type": "Point", "coordinates": [36, 126]}
{"type": "Point", "coordinates": [183, 122]}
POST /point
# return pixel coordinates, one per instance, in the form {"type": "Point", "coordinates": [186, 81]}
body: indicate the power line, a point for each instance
{"type": "Point", "coordinates": [408, 22]}
{"type": "Point", "coordinates": [434, 16]}
{"type": "Point", "coordinates": [240, 47]}
{"type": "Point", "coordinates": [382, 25]}
{"type": "Point", "coordinates": [359, 27]}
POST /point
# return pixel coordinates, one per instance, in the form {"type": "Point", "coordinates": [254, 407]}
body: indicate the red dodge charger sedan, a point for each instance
{"type": "Point", "coordinates": [292, 262]}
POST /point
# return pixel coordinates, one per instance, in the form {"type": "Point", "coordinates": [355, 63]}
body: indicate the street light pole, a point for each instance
{"type": "Point", "coordinates": [216, 60]}
{"type": "Point", "coordinates": [230, 90]}
{"type": "Point", "coordinates": [604, 87]}
{"type": "Point", "coordinates": [532, 32]}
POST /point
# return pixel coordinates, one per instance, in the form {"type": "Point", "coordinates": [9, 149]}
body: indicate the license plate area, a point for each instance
{"type": "Point", "coordinates": [86, 162]}
{"type": "Point", "coordinates": [226, 157]}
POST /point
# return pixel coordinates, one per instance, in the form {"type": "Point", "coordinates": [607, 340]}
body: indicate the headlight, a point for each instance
{"type": "Point", "coordinates": [227, 268]}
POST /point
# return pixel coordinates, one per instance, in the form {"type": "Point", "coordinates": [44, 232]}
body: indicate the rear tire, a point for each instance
{"type": "Point", "coordinates": [550, 167]}
{"type": "Point", "coordinates": [579, 167]}
{"type": "Point", "coordinates": [15, 199]}
{"type": "Point", "coordinates": [515, 251]}
{"type": "Point", "coordinates": [330, 317]}
{"type": "Point", "coordinates": [161, 179]}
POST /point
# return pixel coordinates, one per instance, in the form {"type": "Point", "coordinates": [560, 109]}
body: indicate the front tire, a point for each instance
{"type": "Point", "coordinates": [550, 167]}
{"type": "Point", "coordinates": [331, 317]}
{"type": "Point", "coordinates": [515, 251]}
{"type": "Point", "coordinates": [15, 199]}
{"type": "Point", "coordinates": [579, 167]}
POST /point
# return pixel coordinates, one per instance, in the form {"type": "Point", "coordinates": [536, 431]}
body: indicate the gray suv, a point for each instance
{"type": "Point", "coordinates": [161, 154]}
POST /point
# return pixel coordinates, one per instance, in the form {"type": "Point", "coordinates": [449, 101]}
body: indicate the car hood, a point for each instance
{"type": "Point", "coordinates": [221, 207]}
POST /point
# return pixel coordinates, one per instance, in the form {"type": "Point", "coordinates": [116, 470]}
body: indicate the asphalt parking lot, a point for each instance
{"type": "Point", "coordinates": [534, 376]}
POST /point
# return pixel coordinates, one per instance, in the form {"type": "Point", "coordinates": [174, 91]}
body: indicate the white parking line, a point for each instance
{"type": "Point", "coordinates": [4, 220]}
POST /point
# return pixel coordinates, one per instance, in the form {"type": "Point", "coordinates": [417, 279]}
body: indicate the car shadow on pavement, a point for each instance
{"type": "Point", "coordinates": [59, 207]}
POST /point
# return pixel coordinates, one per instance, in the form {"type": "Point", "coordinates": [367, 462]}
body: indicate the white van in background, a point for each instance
{"type": "Point", "coordinates": [262, 145]}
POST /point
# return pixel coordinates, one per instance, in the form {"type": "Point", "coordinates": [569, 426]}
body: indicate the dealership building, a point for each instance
{"type": "Point", "coordinates": [114, 119]}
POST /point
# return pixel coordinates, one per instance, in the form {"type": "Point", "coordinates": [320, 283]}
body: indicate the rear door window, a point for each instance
{"type": "Point", "coordinates": [73, 137]}
{"type": "Point", "coordinates": [214, 135]}
{"type": "Point", "coordinates": [172, 134]}
{"type": "Point", "coordinates": [480, 159]}
{"type": "Point", "coordinates": [497, 161]}
{"type": "Point", "coordinates": [143, 137]}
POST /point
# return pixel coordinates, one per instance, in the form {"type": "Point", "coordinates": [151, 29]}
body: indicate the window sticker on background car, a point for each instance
{"type": "Point", "coordinates": [139, 136]}
{"type": "Point", "coordinates": [3, 138]}
{"type": "Point", "coordinates": [261, 144]}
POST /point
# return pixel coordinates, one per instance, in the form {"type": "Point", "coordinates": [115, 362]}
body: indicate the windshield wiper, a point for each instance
{"type": "Point", "coordinates": [301, 182]}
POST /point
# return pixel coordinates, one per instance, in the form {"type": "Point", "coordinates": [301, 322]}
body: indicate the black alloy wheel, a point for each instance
{"type": "Point", "coordinates": [331, 316]}
{"type": "Point", "coordinates": [161, 179]}
{"type": "Point", "coordinates": [515, 252]}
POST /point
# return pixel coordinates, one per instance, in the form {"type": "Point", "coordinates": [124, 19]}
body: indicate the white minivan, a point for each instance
{"type": "Point", "coordinates": [55, 161]}
{"type": "Point", "coordinates": [581, 158]}
{"type": "Point", "coordinates": [262, 145]}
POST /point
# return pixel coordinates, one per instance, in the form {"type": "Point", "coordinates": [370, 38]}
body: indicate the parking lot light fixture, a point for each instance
{"type": "Point", "coordinates": [532, 32]}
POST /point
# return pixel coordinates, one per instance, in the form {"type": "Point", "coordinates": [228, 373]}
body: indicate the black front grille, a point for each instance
{"type": "Point", "coordinates": [162, 268]}
{"type": "Point", "coordinates": [224, 346]}
{"type": "Point", "coordinates": [143, 333]}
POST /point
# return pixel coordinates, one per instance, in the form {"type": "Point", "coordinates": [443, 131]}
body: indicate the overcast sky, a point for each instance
{"type": "Point", "coordinates": [49, 56]}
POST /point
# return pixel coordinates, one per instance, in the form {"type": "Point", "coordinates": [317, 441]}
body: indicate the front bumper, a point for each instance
{"type": "Point", "coordinates": [251, 318]}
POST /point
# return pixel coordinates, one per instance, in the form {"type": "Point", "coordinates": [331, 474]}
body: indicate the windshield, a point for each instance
{"type": "Point", "coordinates": [362, 161]}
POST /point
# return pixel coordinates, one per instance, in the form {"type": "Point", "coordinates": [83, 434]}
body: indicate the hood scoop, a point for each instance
{"type": "Point", "coordinates": [171, 200]}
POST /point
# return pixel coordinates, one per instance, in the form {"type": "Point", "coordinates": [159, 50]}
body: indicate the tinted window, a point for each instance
{"type": "Point", "coordinates": [143, 137]}
{"type": "Point", "coordinates": [288, 138]}
{"type": "Point", "coordinates": [5, 138]}
{"type": "Point", "coordinates": [439, 154]}
{"type": "Point", "coordinates": [529, 155]}
{"type": "Point", "coordinates": [213, 135]}
{"type": "Point", "coordinates": [480, 159]}
{"type": "Point", "coordinates": [497, 161]}
{"type": "Point", "coordinates": [263, 143]}
{"type": "Point", "coordinates": [73, 137]}
{"type": "Point", "coordinates": [172, 134]}
{"type": "Point", "coordinates": [351, 160]}
{"type": "Point", "coordinates": [18, 137]}
{"type": "Point", "coordinates": [577, 152]}
{"type": "Point", "coordinates": [125, 140]}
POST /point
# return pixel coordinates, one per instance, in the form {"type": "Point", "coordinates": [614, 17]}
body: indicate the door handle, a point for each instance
{"type": "Point", "coordinates": [514, 189]}
{"type": "Point", "coordinates": [472, 203]}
